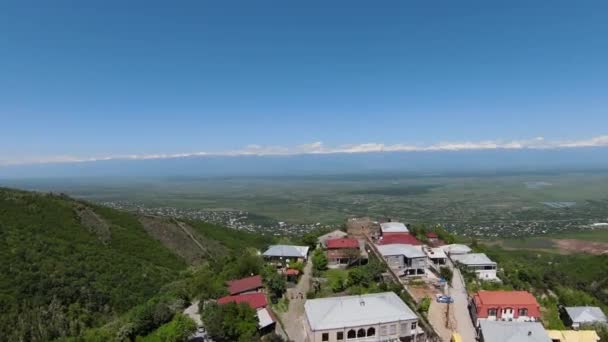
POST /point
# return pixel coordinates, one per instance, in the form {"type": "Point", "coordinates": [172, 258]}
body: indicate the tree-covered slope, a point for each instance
{"type": "Point", "coordinates": [62, 271]}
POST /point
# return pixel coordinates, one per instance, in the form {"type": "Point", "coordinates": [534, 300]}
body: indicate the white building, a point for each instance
{"type": "Point", "coordinates": [436, 256]}
{"type": "Point", "coordinates": [366, 318]}
{"type": "Point", "coordinates": [393, 227]}
{"type": "Point", "coordinates": [406, 260]}
{"type": "Point", "coordinates": [456, 249]}
{"type": "Point", "coordinates": [479, 263]}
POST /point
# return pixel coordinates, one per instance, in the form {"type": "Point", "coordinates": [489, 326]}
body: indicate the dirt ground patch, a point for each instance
{"type": "Point", "coordinates": [94, 223]}
{"type": "Point", "coordinates": [581, 246]}
{"type": "Point", "coordinates": [180, 239]}
{"type": "Point", "coordinates": [359, 227]}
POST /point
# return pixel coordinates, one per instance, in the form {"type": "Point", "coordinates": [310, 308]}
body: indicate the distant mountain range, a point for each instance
{"type": "Point", "coordinates": [441, 162]}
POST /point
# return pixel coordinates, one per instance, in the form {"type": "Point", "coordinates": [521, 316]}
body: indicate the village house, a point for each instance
{"type": "Point", "coordinates": [573, 336]}
{"type": "Point", "coordinates": [405, 260]}
{"type": "Point", "coordinates": [575, 316]}
{"type": "Point", "coordinates": [370, 318]}
{"type": "Point", "coordinates": [478, 263]}
{"type": "Point", "coordinates": [436, 256]}
{"type": "Point", "coordinates": [491, 331]}
{"type": "Point", "coordinates": [284, 254]}
{"type": "Point", "coordinates": [336, 234]}
{"type": "Point", "coordinates": [342, 252]}
{"type": "Point", "coordinates": [518, 306]}
{"type": "Point", "coordinates": [246, 285]}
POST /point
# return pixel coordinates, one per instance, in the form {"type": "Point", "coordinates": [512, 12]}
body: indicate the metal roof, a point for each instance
{"type": "Point", "coordinates": [473, 259]}
{"type": "Point", "coordinates": [353, 311]}
{"type": "Point", "coordinates": [287, 251]}
{"type": "Point", "coordinates": [573, 335]}
{"type": "Point", "coordinates": [393, 227]}
{"type": "Point", "coordinates": [331, 235]}
{"type": "Point", "coordinates": [264, 318]}
{"type": "Point", "coordinates": [586, 314]}
{"type": "Point", "coordinates": [499, 331]}
{"type": "Point", "coordinates": [400, 249]}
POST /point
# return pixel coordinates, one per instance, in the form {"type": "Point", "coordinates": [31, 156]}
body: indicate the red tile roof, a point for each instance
{"type": "Point", "coordinates": [431, 235]}
{"type": "Point", "coordinates": [245, 284]}
{"type": "Point", "coordinates": [505, 297]}
{"type": "Point", "coordinates": [398, 238]}
{"type": "Point", "coordinates": [255, 300]}
{"type": "Point", "coordinates": [292, 271]}
{"type": "Point", "coordinates": [342, 243]}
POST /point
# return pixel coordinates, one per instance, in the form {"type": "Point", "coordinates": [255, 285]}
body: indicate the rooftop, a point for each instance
{"type": "Point", "coordinates": [401, 249]}
{"type": "Point", "coordinates": [473, 259]}
{"type": "Point", "coordinates": [255, 300]}
{"type": "Point", "coordinates": [573, 335]}
{"type": "Point", "coordinates": [393, 227]}
{"type": "Point", "coordinates": [456, 249]}
{"type": "Point", "coordinates": [398, 238]}
{"type": "Point", "coordinates": [586, 314]}
{"type": "Point", "coordinates": [435, 253]}
{"type": "Point", "coordinates": [498, 331]}
{"type": "Point", "coordinates": [331, 235]}
{"type": "Point", "coordinates": [505, 298]}
{"type": "Point", "coordinates": [287, 251]}
{"type": "Point", "coordinates": [342, 243]}
{"type": "Point", "coordinates": [264, 318]}
{"type": "Point", "coordinates": [351, 311]}
{"type": "Point", "coordinates": [245, 284]}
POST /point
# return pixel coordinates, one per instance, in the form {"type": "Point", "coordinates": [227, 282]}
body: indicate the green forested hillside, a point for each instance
{"type": "Point", "coordinates": [60, 274]}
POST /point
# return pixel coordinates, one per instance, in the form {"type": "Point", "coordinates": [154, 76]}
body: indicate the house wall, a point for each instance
{"type": "Point", "coordinates": [505, 312]}
{"type": "Point", "coordinates": [395, 261]}
{"type": "Point", "coordinates": [401, 329]}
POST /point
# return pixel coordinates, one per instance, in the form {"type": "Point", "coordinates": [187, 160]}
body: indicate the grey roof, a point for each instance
{"type": "Point", "coordinates": [473, 259]}
{"type": "Point", "coordinates": [456, 248]}
{"type": "Point", "coordinates": [352, 311]}
{"type": "Point", "coordinates": [287, 251]}
{"type": "Point", "coordinates": [409, 251]}
{"type": "Point", "coordinates": [586, 314]}
{"type": "Point", "coordinates": [500, 331]}
{"type": "Point", "coordinates": [393, 227]}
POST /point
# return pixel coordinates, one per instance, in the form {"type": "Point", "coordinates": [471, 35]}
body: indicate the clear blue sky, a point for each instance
{"type": "Point", "coordinates": [112, 77]}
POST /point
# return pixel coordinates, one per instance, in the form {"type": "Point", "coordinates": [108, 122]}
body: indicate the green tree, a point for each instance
{"type": "Point", "coordinates": [178, 330]}
{"type": "Point", "coordinates": [230, 322]}
{"type": "Point", "coordinates": [446, 273]}
{"type": "Point", "coordinates": [319, 261]}
{"type": "Point", "coordinates": [275, 282]}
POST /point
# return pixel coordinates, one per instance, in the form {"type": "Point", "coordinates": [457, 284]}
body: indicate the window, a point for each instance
{"type": "Point", "coordinates": [392, 329]}
{"type": "Point", "coordinates": [361, 333]}
{"type": "Point", "coordinates": [340, 336]}
{"type": "Point", "coordinates": [371, 332]}
{"type": "Point", "coordinates": [492, 312]}
{"type": "Point", "coordinates": [522, 312]}
{"type": "Point", "coordinates": [383, 330]}
{"type": "Point", "coordinates": [325, 337]}
{"type": "Point", "coordinates": [414, 324]}
{"type": "Point", "coordinates": [351, 334]}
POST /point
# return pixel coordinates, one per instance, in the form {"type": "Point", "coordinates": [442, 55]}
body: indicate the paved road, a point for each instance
{"type": "Point", "coordinates": [293, 319]}
{"type": "Point", "coordinates": [464, 325]}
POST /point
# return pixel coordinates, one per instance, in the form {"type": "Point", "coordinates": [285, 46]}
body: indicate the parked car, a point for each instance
{"type": "Point", "coordinates": [444, 299]}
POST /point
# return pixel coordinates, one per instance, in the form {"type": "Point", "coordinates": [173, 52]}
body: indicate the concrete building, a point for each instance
{"type": "Point", "coordinates": [518, 306]}
{"type": "Point", "coordinates": [478, 263]}
{"type": "Point", "coordinates": [370, 318]}
{"type": "Point", "coordinates": [436, 256]}
{"type": "Point", "coordinates": [456, 249]}
{"type": "Point", "coordinates": [405, 260]}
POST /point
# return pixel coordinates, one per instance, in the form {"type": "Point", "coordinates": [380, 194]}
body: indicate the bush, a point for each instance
{"type": "Point", "coordinates": [446, 273]}
{"type": "Point", "coordinates": [424, 305]}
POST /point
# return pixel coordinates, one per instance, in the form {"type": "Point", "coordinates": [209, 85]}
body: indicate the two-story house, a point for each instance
{"type": "Point", "coordinates": [405, 260]}
{"type": "Point", "coordinates": [504, 306]}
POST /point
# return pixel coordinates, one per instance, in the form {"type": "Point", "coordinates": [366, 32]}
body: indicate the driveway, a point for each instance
{"type": "Point", "coordinates": [293, 319]}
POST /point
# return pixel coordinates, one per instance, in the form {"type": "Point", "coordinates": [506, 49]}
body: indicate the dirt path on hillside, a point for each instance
{"type": "Point", "coordinates": [293, 319]}
{"type": "Point", "coordinates": [581, 246]}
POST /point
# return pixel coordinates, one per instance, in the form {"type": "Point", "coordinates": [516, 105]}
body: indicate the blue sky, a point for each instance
{"type": "Point", "coordinates": [105, 78]}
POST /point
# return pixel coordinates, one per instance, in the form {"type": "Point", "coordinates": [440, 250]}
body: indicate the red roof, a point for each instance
{"type": "Point", "coordinates": [342, 243]}
{"type": "Point", "coordinates": [432, 235]}
{"type": "Point", "coordinates": [505, 297]}
{"type": "Point", "coordinates": [292, 271]}
{"type": "Point", "coordinates": [398, 238]}
{"type": "Point", "coordinates": [255, 300]}
{"type": "Point", "coordinates": [245, 284]}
